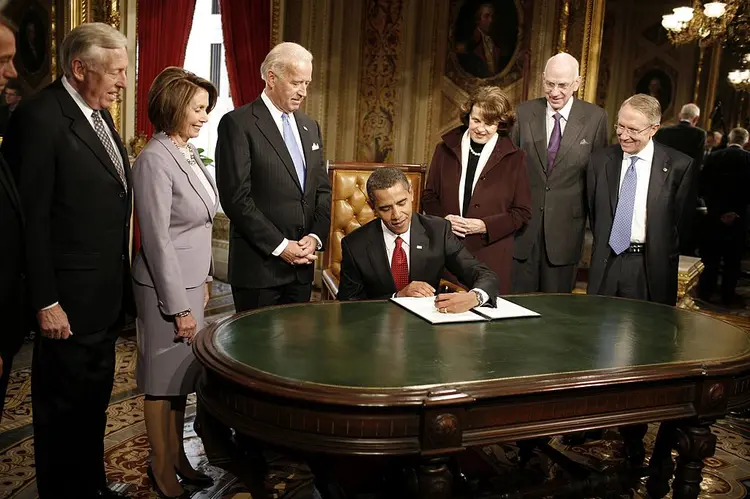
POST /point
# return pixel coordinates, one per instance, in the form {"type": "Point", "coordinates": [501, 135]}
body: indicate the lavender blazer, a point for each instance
{"type": "Point", "coordinates": [175, 217]}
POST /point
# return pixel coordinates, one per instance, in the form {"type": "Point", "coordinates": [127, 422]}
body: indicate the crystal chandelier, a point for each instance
{"type": "Point", "coordinates": [740, 79]}
{"type": "Point", "coordinates": [705, 23]}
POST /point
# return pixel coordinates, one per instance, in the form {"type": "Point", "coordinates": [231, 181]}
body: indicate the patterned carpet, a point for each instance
{"type": "Point", "coordinates": [727, 474]}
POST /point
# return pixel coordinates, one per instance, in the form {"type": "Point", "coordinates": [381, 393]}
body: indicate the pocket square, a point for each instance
{"type": "Point", "coordinates": [584, 142]}
{"type": "Point", "coordinates": [315, 146]}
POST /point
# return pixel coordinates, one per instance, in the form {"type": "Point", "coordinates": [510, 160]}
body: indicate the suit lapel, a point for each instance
{"type": "Point", "coordinates": [211, 206]}
{"type": "Point", "coordinates": [82, 128]}
{"type": "Point", "coordinates": [613, 171]}
{"type": "Point", "coordinates": [6, 179]}
{"type": "Point", "coordinates": [304, 135]}
{"type": "Point", "coordinates": [270, 130]}
{"type": "Point", "coordinates": [419, 244]}
{"type": "Point", "coordinates": [659, 172]}
{"type": "Point", "coordinates": [573, 129]}
{"type": "Point", "coordinates": [182, 163]}
{"type": "Point", "coordinates": [538, 127]}
{"type": "Point", "coordinates": [379, 257]}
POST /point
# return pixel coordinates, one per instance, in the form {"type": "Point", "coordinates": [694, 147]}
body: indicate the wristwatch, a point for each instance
{"type": "Point", "coordinates": [479, 297]}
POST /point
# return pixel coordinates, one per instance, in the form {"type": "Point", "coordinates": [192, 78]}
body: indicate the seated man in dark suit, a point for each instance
{"type": "Point", "coordinates": [405, 254]}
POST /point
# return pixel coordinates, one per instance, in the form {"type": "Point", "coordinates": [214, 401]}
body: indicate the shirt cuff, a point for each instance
{"type": "Point", "coordinates": [320, 244]}
{"type": "Point", "coordinates": [51, 306]}
{"type": "Point", "coordinates": [483, 296]}
{"type": "Point", "coordinates": [281, 247]}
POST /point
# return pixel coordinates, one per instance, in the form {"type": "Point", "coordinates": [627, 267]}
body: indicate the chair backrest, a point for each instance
{"type": "Point", "coordinates": [349, 207]}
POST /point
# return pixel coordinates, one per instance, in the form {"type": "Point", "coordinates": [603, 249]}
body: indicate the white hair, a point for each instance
{"type": "Point", "coordinates": [564, 59]}
{"type": "Point", "coordinates": [738, 136]}
{"type": "Point", "coordinates": [86, 43]}
{"type": "Point", "coordinates": [690, 111]}
{"type": "Point", "coordinates": [282, 57]}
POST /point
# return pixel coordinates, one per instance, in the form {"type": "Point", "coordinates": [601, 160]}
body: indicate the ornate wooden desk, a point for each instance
{"type": "Point", "coordinates": [369, 378]}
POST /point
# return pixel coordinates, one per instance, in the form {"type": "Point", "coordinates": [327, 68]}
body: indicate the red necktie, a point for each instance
{"type": "Point", "coordinates": [399, 267]}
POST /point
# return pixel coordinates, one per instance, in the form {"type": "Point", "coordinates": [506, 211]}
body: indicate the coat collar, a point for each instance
{"type": "Point", "coordinates": [503, 147]}
{"type": "Point", "coordinates": [82, 128]}
{"type": "Point", "coordinates": [195, 182]}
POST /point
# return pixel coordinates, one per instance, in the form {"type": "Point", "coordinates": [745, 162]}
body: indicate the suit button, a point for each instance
{"type": "Point", "coordinates": [208, 224]}
{"type": "Point", "coordinates": [304, 203]}
{"type": "Point", "coordinates": [482, 177]}
{"type": "Point", "coordinates": [546, 188]}
{"type": "Point", "coordinates": [476, 206]}
{"type": "Point", "coordinates": [541, 208]}
{"type": "Point", "coordinates": [122, 195]}
{"type": "Point", "coordinates": [123, 257]}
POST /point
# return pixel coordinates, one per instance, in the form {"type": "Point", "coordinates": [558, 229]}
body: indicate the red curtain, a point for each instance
{"type": "Point", "coordinates": [163, 31]}
{"type": "Point", "coordinates": [247, 39]}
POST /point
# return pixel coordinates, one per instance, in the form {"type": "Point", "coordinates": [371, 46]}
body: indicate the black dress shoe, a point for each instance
{"type": "Point", "coordinates": [203, 481]}
{"type": "Point", "coordinates": [185, 494]}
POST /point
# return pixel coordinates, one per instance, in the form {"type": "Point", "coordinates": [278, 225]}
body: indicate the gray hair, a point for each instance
{"type": "Point", "coordinates": [738, 136]}
{"type": "Point", "coordinates": [646, 105]}
{"type": "Point", "coordinates": [384, 178]}
{"type": "Point", "coordinates": [86, 43]}
{"type": "Point", "coordinates": [282, 56]}
{"type": "Point", "coordinates": [690, 111]}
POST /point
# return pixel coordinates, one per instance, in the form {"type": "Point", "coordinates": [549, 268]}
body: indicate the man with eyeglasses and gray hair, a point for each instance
{"type": "Point", "coordinates": [637, 190]}
{"type": "Point", "coordinates": [73, 178]}
{"type": "Point", "coordinates": [558, 133]}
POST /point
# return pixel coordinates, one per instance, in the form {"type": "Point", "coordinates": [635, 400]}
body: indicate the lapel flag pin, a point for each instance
{"type": "Point", "coordinates": [303, 126]}
{"type": "Point", "coordinates": [664, 170]}
{"type": "Point", "coordinates": [419, 247]}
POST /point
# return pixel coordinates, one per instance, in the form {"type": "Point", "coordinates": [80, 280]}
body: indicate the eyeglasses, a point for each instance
{"type": "Point", "coordinates": [551, 85]}
{"type": "Point", "coordinates": [619, 130]}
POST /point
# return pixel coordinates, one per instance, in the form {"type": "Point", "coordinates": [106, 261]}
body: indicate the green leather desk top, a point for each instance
{"type": "Point", "coordinates": [369, 345]}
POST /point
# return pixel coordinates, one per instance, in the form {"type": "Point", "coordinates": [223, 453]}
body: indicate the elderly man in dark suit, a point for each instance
{"type": "Point", "coordinates": [404, 254]}
{"type": "Point", "coordinates": [11, 244]}
{"type": "Point", "coordinates": [273, 186]}
{"type": "Point", "coordinates": [558, 134]}
{"type": "Point", "coordinates": [72, 173]}
{"type": "Point", "coordinates": [724, 183]}
{"type": "Point", "coordinates": [636, 192]}
{"type": "Point", "coordinates": [689, 139]}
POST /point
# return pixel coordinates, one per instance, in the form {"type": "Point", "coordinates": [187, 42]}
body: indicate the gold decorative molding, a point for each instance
{"type": "Point", "coordinates": [712, 83]}
{"type": "Point", "coordinates": [562, 45]}
{"type": "Point", "coordinates": [113, 19]}
{"type": "Point", "coordinates": [590, 51]}
{"type": "Point", "coordinates": [276, 23]}
{"type": "Point", "coordinates": [53, 43]}
{"type": "Point", "coordinates": [80, 12]}
{"type": "Point", "coordinates": [698, 74]}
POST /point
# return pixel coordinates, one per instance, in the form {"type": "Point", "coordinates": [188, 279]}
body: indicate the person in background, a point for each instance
{"type": "Point", "coordinates": [713, 141]}
{"type": "Point", "coordinates": [478, 181]}
{"type": "Point", "coordinates": [12, 264]}
{"type": "Point", "coordinates": [689, 139]}
{"type": "Point", "coordinates": [724, 183]}
{"type": "Point", "coordinates": [13, 97]}
{"type": "Point", "coordinates": [176, 201]}
{"type": "Point", "coordinates": [635, 252]}
{"type": "Point", "coordinates": [558, 134]}
{"type": "Point", "coordinates": [72, 173]}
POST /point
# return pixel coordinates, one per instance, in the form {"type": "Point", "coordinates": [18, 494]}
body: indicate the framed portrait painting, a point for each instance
{"type": "Point", "coordinates": [657, 79]}
{"type": "Point", "coordinates": [33, 42]}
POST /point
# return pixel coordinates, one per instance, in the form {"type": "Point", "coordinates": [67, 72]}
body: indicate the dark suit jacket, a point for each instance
{"type": "Point", "coordinates": [558, 199]}
{"type": "Point", "coordinates": [77, 211]}
{"type": "Point", "coordinates": [4, 118]}
{"type": "Point", "coordinates": [501, 198]}
{"type": "Point", "coordinates": [366, 272]}
{"type": "Point", "coordinates": [725, 182]}
{"type": "Point", "coordinates": [11, 266]}
{"type": "Point", "coordinates": [667, 191]}
{"type": "Point", "coordinates": [261, 195]}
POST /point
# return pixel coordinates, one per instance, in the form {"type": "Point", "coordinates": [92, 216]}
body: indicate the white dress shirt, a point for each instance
{"type": "Point", "coordinates": [87, 112]}
{"type": "Point", "coordinates": [643, 174]}
{"type": "Point", "coordinates": [390, 246]}
{"type": "Point", "coordinates": [481, 163]}
{"type": "Point", "coordinates": [276, 115]}
{"type": "Point", "coordinates": [564, 112]}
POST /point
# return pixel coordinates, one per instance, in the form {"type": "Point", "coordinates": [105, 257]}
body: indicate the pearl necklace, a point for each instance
{"type": "Point", "coordinates": [185, 150]}
{"type": "Point", "coordinates": [472, 151]}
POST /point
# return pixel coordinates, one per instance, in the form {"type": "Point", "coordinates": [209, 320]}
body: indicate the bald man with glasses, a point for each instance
{"type": "Point", "coordinates": [558, 133]}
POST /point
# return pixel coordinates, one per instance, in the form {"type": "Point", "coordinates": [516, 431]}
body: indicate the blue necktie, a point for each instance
{"type": "Point", "coordinates": [619, 238]}
{"type": "Point", "coordinates": [294, 152]}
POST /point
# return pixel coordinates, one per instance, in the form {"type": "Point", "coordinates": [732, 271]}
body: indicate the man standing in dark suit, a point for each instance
{"type": "Point", "coordinates": [72, 174]}
{"type": "Point", "coordinates": [11, 244]}
{"type": "Point", "coordinates": [404, 254]}
{"type": "Point", "coordinates": [558, 134]}
{"type": "Point", "coordinates": [689, 139]}
{"type": "Point", "coordinates": [273, 186]}
{"type": "Point", "coordinates": [636, 193]}
{"type": "Point", "coordinates": [725, 182]}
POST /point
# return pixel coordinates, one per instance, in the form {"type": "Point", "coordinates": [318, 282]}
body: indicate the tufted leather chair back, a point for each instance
{"type": "Point", "coordinates": [350, 210]}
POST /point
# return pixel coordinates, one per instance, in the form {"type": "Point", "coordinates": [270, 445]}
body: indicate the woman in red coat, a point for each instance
{"type": "Point", "coordinates": [478, 181]}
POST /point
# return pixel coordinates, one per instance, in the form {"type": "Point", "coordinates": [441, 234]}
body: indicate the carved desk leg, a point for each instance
{"type": "Point", "coordinates": [633, 438]}
{"type": "Point", "coordinates": [694, 442]}
{"type": "Point", "coordinates": [435, 479]}
{"type": "Point", "coordinates": [661, 464]}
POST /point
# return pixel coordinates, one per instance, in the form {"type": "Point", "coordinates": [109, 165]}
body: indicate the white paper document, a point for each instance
{"type": "Point", "coordinates": [424, 307]}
